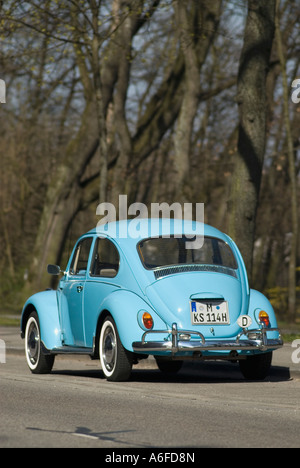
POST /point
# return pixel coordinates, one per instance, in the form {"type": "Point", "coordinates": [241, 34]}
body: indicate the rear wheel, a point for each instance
{"type": "Point", "coordinates": [38, 362]}
{"type": "Point", "coordinates": [116, 361]}
{"type": "Point", "coordinates": [256, 367]}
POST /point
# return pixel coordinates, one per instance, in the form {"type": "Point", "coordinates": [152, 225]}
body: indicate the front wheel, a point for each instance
{"type": "Point", "coordinates": [116, 361]}
{"type": "Point", "coordinates": [38, 362]}
{"type": "Point", "coordinates": [256, 367]}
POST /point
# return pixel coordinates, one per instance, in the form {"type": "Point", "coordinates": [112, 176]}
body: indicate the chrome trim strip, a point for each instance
{"type": "Point", "coordinates": [71, 350]}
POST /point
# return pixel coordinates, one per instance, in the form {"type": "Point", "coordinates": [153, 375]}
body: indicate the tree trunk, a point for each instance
{"type": "Point", "coordinates": [292, 174]}
{"type": "Point", "coordinates": [251, 99]}
{"type": "Point", "coordinates": [59, 193]}
{"type": "Point", "coordinates": [197, 23]}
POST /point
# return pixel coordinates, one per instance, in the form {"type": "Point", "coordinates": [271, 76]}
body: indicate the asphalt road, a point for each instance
{"type": "Point", "coordinates": [205, 405]}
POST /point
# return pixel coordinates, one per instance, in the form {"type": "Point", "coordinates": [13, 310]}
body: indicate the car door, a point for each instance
{"type": "Point", "coordinates": [102, 280]}
{"type": "Point", "coordinates": [72, 293]}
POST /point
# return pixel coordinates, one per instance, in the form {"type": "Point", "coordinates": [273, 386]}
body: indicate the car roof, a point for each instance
{"type": "Point", "coordinates": [137, 229]}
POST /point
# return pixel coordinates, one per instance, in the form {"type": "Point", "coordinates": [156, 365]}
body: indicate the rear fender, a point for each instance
{"type": "Point", "coordinates": [45, 304]}
{"type": "Point", "coordinates": [260, 302]}
{"type": "Point", "coordinates": [125, 307]}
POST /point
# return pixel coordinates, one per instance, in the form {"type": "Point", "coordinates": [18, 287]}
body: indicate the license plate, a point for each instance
{"type": "Point", "coordinates": [209, 312]}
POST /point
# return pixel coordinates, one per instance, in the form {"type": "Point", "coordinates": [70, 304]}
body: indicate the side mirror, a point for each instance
{"type": "Point", "coordinates": [53, 269]}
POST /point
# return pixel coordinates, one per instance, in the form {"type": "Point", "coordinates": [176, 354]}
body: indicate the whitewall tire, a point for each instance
{"type": "Point", "coordinates": [116, 361]}
{"type": "Point", "coordinates": [38, 362]}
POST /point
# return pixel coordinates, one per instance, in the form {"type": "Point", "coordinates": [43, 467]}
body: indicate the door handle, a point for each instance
{"type": "Point", "coordinates": [79, 289]}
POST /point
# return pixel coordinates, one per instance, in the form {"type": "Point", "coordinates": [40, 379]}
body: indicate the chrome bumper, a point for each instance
{"type": "Point", "coordinates": [180, 342]}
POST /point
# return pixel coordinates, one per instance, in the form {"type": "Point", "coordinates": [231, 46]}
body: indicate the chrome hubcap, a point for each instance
{"type": "Point", "coordinates": [33, 347]}
{"type": "Point", "coordinates": [109, 348]}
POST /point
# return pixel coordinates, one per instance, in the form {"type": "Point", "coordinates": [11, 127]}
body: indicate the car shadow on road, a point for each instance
{"type": "Point", "coordinates": [213, 372]}
{"type": "Point", "coordinates": [204, 372]}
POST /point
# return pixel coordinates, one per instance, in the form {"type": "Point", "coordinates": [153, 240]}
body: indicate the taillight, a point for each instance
{"type": "Point", "coordinates": [147, 320]}
{"type": "Point", "coordinates": [264, 318]}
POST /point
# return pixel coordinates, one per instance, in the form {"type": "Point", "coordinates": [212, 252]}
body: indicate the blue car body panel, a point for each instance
{"type": "Point", "coordinates": [45, 303]}
{"type": "Point", "coordinates": [71, 316]}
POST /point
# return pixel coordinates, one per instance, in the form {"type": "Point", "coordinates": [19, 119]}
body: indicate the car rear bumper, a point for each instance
{"type": "Point", "coordinates": [178, 341]}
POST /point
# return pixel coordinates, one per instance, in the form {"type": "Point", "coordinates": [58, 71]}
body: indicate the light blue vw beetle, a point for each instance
{"type": "Point", "coordinates": [173, 289]}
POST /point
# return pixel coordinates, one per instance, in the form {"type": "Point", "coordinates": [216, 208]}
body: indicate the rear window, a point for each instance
{"type": "Point", "coordinates": [161, 251]}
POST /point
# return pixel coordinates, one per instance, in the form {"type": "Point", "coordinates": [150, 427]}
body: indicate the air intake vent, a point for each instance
{"type": "Point", "coordinates": [187, 268]}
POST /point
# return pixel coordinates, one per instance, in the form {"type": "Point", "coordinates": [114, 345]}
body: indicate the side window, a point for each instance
{"type": "Point", "coordinates": [81, 257]}
{"type": "Point", "coordinates": [106, 259]}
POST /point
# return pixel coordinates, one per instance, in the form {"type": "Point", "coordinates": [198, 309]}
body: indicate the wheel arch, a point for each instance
{"type": "Point", "coordinates": [102, 316]}
{"type": "Point", "coordinates": [25, 316]}
{"type": "Point", "coordinates": [45, 305]}
{"type": "Point", "coordinates": [124, 306]}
